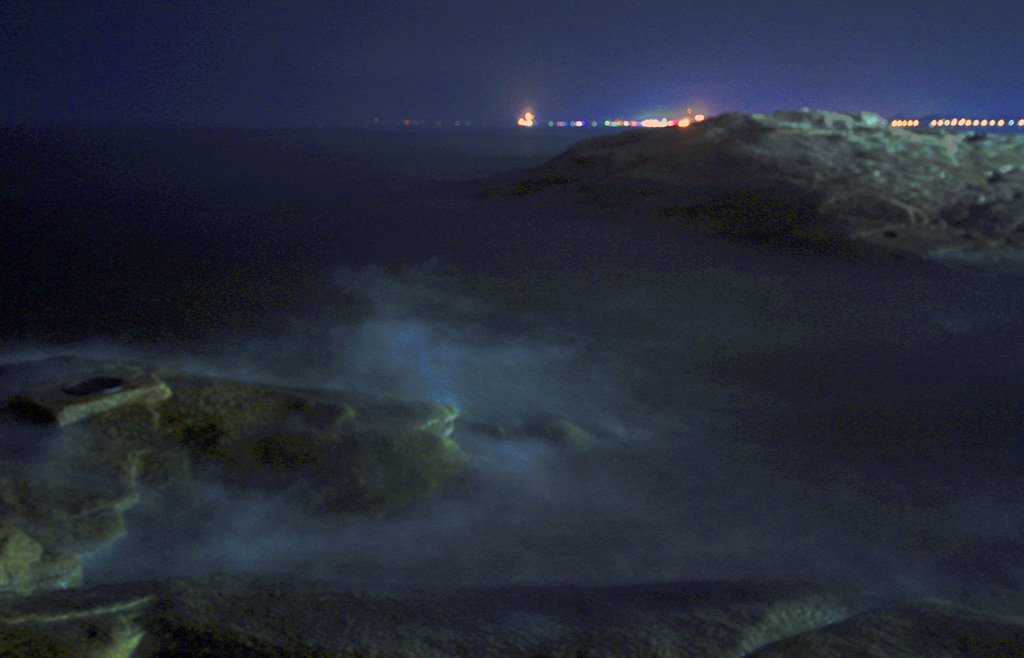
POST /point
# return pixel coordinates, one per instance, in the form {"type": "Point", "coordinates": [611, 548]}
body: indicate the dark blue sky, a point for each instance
{"type": "Point", "coordinates": [309, 62]}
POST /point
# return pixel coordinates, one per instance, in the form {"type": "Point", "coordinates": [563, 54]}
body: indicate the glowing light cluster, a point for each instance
{"type": "Point", "coordinates": [685, 122]}
{"type": "Point", "coordinates": [959, 122]}
{"type": "Point", "coordinates": [626, 123]}
{"type": "Point", "coordinates": [528, 119]}
{"type": "Point", "coordinates": [963, 122]}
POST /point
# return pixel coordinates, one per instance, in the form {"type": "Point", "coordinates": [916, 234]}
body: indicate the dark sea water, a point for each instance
{"type": "Point", "coordinates": [769, 414]}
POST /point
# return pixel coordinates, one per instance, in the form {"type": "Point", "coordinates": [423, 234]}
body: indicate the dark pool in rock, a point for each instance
{"type": "Point", "coordinates": [762, 414]}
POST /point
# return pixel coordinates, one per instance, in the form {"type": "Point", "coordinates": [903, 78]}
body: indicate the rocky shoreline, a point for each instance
{"type": "Point", "coordinates": [97, 434]}
{"type": "Point", "coordinates": [838, 183]}
{"type": "Point", "coordinates": [85, 441]}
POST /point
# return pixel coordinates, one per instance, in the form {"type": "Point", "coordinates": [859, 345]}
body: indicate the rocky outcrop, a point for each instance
{"type": "Point", "coordinates": [826, 181]}
{"type": "Point", "coordinates": [132, 425]}
{"type": "Point", "coordinates": [65, 484]}
{"type": "Point", "coordinates": [46, 522]}
{"type": "Point", "coordinates": [330, 451]}
{"type": "Point", "coordinates": [85, 436]}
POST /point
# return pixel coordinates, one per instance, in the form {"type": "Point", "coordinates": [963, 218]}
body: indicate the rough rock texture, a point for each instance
{"type": "Point", "coordinates": [64, 486]}
{"type": "Point", "coordinates": [83, 437]}
{"type": "Point", "coordinates": [94, 622]}
{"type": "Point", "coordinates": [26, 567]}
{"type": "Point", "coordinates": [111, 386]}
{"type": "Point", "coordinates": [809, 179]}
{"type": "Point", "coordinates": [333, 451]}
{"type": "Point", "coordinates": [263, 618]}
{"type": "Point", "coordinates": [908, 631]}
{"type": "Point", "coordinates": [71, 474]}
{"type": "Point", "coordinates": [46, 522]}
{"type": "Point", "coordinates": [344, 450]}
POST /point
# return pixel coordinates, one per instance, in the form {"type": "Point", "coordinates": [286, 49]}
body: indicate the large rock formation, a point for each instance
{"type": "Point", "coordinates": [808, 179]}
{"type": "Point", "coordinates": [83, 436]}
{"type": "Point", "coordinates": [80, 438]}
{"type": "Point", "coordinates": [328, 450]}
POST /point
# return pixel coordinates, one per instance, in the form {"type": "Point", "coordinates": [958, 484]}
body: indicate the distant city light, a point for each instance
{"type": "Point", "coordinates": [529, 119]}
{"type": "Point", "coordinates": [959, 122]}
{"type": "Point", "coordinates": [690, 119]}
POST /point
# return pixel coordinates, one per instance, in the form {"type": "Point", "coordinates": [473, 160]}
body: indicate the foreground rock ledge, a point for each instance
{"type": "Point", "coordinates": [82, 438]}
{"type": "Point", "coordinates": [251, 617]}
{"type": "Point", "coordinates": [824, 181]}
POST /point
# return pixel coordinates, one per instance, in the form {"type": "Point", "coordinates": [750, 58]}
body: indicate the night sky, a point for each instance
{"type": "Point", "coordinates": [310, 62]}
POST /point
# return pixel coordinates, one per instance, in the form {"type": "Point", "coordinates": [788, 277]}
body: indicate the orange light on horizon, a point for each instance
{"type": "Point", "coordinates": [526, 120]}
{"type": "Point", "coordinates": [960, 122]}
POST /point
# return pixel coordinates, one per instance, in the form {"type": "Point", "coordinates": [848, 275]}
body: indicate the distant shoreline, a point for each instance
{"type": "Point", "coordinates": [819, 181]}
